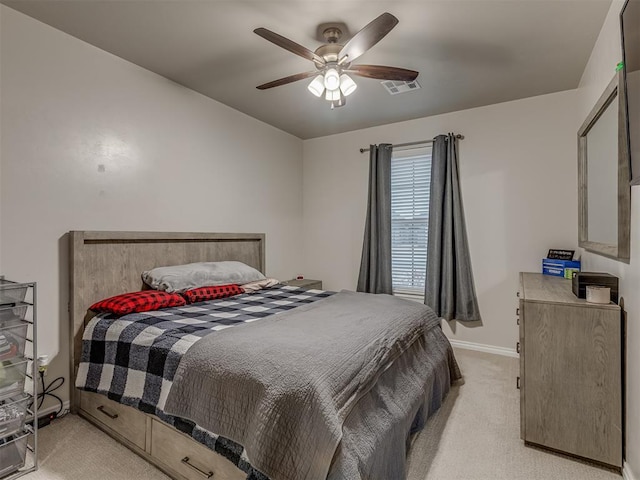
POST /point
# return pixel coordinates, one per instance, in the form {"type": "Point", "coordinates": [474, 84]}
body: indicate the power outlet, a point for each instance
{"type": "Point", "coordinates": [43, 364]}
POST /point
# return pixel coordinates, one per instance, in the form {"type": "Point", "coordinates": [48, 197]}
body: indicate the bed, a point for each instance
{"type": "Point", "coordinates": [108, 263]}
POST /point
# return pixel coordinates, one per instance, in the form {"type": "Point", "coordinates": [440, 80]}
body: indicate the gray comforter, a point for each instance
{"type": "Point", "coordinates": [283, 387]}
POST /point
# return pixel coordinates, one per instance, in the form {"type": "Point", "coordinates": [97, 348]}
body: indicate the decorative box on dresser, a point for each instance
{"type": "Point", "coordinates": [570, 382]}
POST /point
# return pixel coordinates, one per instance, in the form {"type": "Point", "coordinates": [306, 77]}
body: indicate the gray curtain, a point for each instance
{"type": "Point", "coordinates": [449, 288]}
{"type": "Point", "coordinates": [375, 266]}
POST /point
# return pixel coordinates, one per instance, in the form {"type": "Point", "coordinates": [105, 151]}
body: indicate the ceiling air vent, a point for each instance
{"type": "Point", "coordinates": [394, 87]}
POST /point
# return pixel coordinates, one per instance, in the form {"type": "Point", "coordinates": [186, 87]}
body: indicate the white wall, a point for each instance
{"type": "Point", "coordinates": [598, 73]}
{"type": "Point", "coordinates": [92, 142]}
{"type": "Point", "coordinates": [519, 186]}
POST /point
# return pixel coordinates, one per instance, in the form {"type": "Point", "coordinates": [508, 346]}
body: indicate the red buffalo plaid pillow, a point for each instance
{"type": "Point", "coordinates": [138, 302]}
{"type": "Point", "coordinates": [211, 293]}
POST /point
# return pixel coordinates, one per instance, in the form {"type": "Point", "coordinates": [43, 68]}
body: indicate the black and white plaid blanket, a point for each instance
{"type": "Point", "coordinates": [133, 359]}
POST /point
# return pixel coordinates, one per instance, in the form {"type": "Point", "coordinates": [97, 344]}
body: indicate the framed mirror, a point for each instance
{"type": "Point", "coordinates": [604, 191]}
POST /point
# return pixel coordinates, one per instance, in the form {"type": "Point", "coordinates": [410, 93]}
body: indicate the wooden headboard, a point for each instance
{"type": "Point", "coordinates": [103, 264]}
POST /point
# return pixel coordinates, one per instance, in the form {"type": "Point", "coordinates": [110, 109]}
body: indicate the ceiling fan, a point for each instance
{"type": "Point", "coordinates": [333, 61]}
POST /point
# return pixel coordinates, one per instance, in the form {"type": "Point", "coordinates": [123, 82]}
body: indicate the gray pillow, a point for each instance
{"type": "Point", "coordinates": [179, 278]}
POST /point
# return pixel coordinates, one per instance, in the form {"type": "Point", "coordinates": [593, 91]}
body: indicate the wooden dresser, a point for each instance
{"type": "Point", "coordinates": [570, 379]}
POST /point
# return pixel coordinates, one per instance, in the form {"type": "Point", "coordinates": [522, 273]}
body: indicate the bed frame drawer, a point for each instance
{"type": "Point", "coordinates": [191, 460]}
{"type": "Point", "coordinates": [125, 421]}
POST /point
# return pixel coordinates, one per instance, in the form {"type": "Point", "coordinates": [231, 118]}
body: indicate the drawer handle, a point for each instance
{"type": "Point", "coordinates": [518, 311]}
{"type": "Point", "coordinates": [517, 320]}
{"type": "Point", "coordinates": [185, 460]}
{"type": "Point", "coordinates": [104, 411]}
{"type": "Point", "coordinates": [518, 383]}
{"type": "Point", "coordinates": [518, 347]}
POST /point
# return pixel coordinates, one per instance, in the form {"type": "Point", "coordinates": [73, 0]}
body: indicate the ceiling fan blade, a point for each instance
{"type": "Point", "coordinates": [287, 44]}
{"type": "Point", "coordinates": [367, 37]}
{"type": "Point", "coordinates": [383, 73]}
{"type": "Point", "coordinates": [285, 80]}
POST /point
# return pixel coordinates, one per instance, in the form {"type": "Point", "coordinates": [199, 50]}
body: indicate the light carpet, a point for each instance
{"type": "Point", "coordinates": [474, 436]}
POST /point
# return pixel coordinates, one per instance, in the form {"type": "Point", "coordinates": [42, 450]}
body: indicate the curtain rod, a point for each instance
{"type": "Point", "coordinates": [409, 144]}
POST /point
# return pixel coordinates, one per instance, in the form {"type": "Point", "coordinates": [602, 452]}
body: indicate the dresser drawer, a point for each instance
{"type": "Point", "coordinates": [185, 456]}
{"type": "Point", "coordinates": [125, 421]}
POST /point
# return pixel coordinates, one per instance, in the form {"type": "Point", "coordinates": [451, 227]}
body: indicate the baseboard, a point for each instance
{"type": "Point", "coordinates": [480, 347]}
{"type": "Point", "coordinates": [627, 474]}
{"type": "Point", "coordinates": [46, 411]}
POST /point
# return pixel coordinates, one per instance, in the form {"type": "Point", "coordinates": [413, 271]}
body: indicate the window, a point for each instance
{"type": "Point", "coordinates": [410, 184]}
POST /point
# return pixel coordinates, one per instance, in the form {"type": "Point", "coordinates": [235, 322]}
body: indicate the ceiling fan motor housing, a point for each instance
{"type": "Point", "coordinates": [329, 52]}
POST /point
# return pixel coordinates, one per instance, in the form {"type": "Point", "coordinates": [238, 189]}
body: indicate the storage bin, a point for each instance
{"type": "Point", "coordinates": [12, 373]}
{"type": "Point", "coordinates": [13, 452]}
{"type": "Point", "coordinates": [13, 312]}
{"type": "Point", "coordinates": [12, 293]}
{"type": "Point", "coordinates": [13, 414]}
{"type": "Point", "coordinates": [13, 337]}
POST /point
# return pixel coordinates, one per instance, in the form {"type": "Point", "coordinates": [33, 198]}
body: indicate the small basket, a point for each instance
{"type": "Point", "coordinates": [12, 293]}
{"type": "Point", "coordinates": [12, 374]}
{"type": "Point", "coordinates": [13, 337]}
{"type": "Point", "coordinates": [13, 312]}
{"type": "Point", "coordinates": [13, 414]}
{"type": "Point", "coordinates": [13, 452]}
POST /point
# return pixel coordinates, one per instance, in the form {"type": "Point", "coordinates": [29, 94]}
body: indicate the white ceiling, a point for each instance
{"type": "Point", "coordinates": [469, 52]}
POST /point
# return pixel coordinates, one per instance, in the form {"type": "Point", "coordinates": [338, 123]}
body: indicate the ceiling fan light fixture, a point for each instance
{"type": "Point", "coordinates": [340, 102]}
{"type": "Point", "coordinates": [332, 79]}
{"type": "Point", "coordinates": [332, 95]}
{"type": "Point", "coordinates": [317, 86]}
{"type": "Point", "coordinates": [347, 85]}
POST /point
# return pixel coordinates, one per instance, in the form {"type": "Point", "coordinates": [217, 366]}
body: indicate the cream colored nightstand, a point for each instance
{"type": "Point", "coordinates": [305, 283]}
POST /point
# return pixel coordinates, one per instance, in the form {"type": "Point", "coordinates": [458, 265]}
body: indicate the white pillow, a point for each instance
{"type": "Point", "coordinates": [179, 278]}
{"type": "Point", "coordinates": [259, 285]}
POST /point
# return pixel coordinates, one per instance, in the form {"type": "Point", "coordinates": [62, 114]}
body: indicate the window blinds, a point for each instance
{"type": "Point", "coordinates": [410, 184]}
